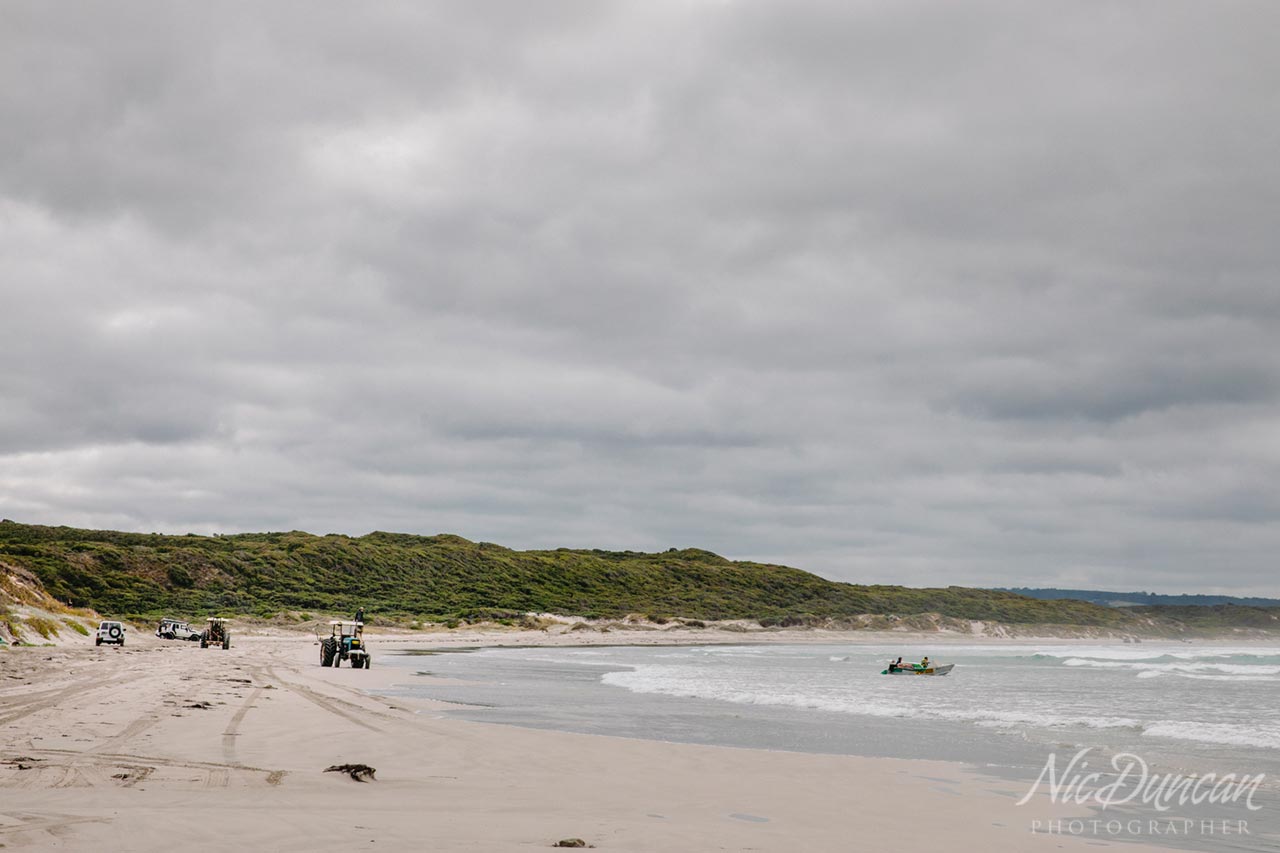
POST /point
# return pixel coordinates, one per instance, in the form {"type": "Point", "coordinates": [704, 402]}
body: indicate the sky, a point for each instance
{"type": "Point", "coordinates": [909, 292]}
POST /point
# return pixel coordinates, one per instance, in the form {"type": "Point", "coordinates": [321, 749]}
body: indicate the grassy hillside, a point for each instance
{"type": "Point", "coordinates": [1128, 599]}
{"type": "Point", "coordinates": [1211, 617]}
{"type": "Point", "coordinates": [145, 575]}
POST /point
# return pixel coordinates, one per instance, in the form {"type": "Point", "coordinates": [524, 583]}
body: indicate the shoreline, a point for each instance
{"type": "Point", "coordinates": [945, 736]}
{"type": "Point", "coordinates": [484, 637]}
{"type": "Point", "coordinates": [162, 742]}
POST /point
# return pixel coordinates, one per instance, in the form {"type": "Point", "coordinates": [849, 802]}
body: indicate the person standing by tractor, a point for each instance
{"type": "Point", "coordinates": [360, 614]}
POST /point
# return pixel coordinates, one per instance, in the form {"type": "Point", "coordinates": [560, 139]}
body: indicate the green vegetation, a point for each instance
{"type": "Point", "coordinates": [447, 579]}
{"type": "Point", "coordinates": [1128, 599]}
{"type": "Point", "coordinates": [1211, 617]}
{"type": "Point", "coordinates": [44, 627]}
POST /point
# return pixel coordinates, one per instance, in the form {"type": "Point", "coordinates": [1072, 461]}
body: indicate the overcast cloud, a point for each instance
{"type": "Point", "coordinates": [924, 293]}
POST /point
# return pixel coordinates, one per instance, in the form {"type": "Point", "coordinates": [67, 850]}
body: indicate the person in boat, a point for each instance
{"type": "Point", "coordinates": [924, 662]}
{"type": "Point", "coordinates": [895, 665]}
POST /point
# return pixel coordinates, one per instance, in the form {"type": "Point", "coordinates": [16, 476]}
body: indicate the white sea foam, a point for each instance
{"type": "Point", "coordinates": [1163, 653]}
{"type": "Point", "coordinates": [996, 691]}
{"type": "Point", "coordinates": [674, 681]}
{"type": "Point", "coordinates": [1266, 736]}
{"type": "Point", "coordinates": [1201, 668]}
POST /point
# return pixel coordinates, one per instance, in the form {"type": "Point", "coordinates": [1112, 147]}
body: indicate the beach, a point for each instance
{"type": "Point", "coordinates": [161, 743]}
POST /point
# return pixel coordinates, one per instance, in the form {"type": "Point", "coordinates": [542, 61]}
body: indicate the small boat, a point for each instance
{"type": "Point", "coordinates": [916, 669]}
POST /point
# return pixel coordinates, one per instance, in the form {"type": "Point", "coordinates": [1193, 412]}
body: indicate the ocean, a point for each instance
{"type": "Point", "coordinates": [1182, 708]}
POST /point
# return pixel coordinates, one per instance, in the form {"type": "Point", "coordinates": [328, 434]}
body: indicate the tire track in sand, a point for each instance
{"type": "Point", "coordinates": [135, 728]}
{"type": "Point", "coordinates": [37, 822]}
{"type": "Point", "coordinates": [50, 698]}
{"type": "Point", "coordinates": [232, 731]}
{"type": "Point", "coordinates": [329, 704]}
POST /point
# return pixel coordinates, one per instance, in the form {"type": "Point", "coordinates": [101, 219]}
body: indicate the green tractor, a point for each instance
{"type": "Point", "coordinates": [217, 634]}
{"type": "Point", "coordinates": [345, 642]}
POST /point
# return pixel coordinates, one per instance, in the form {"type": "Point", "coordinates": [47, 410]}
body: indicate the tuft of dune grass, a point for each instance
{"type": "Point", "coordinates": [44, 627]}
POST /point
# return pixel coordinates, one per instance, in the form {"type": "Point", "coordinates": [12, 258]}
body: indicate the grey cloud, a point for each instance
{"type": "Point", "coordinates": [919, 293]}
{"type": "Point", "coordinates": [1105, 393]}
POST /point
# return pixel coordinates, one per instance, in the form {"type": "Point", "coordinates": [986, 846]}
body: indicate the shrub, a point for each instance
{"type": "Point", "coordinates": [180, 577]}
{"type": "Point", "coordinates": [43, 627]}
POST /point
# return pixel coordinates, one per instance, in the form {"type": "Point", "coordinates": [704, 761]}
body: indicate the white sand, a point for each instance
{"type": "Point", "coordinates": [118, 761]}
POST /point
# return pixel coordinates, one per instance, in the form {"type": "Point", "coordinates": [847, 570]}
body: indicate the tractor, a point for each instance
{"type": "Point", "coordinates": [216, 634]}
{"type": "Point", "coordinates": [345, 642]}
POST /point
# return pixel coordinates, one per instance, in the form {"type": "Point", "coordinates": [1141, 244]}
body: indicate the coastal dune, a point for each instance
{"type": "Point", "coordinates": [157, 744]}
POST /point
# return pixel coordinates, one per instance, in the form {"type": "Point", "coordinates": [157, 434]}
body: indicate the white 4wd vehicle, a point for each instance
{"type": "Point", "coordinates": [110, 632]}
{"type": "Point", "coordinates": [172, 629]}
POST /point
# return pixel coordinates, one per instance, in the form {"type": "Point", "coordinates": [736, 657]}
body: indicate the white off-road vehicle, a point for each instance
{"type": "Point", "coordinates": [110, 632]}
{"type": "Point", "coordinates": [173, 629]}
